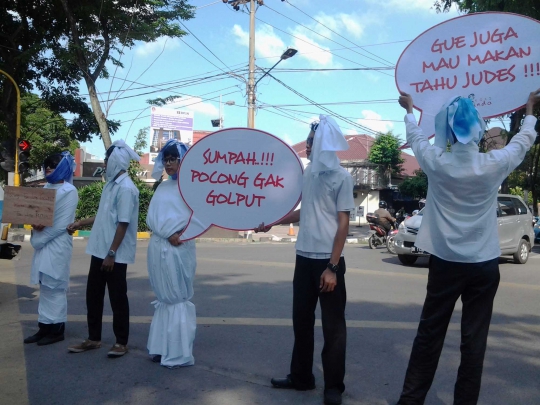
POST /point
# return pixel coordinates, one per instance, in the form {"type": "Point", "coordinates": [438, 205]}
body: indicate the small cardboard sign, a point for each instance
{"type": "Point", "coordinates": [28, 205]}
{"type": "Point", "coordinates": [492, 58]}
{"type": "Point", "coordinates": [237, 178]}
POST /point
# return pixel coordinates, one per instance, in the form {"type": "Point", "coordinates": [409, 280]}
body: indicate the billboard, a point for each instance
{"type": "Point", "coordinates": [168, 123]}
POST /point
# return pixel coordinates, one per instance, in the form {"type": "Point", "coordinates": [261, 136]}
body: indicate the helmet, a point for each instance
{"type": "Point", "coordinates": [382, 204]}
{"type": "Point", "coordinates": [422, 203]}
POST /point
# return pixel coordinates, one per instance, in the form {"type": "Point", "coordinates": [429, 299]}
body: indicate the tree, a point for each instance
{"type": "Point", "coordinates": [97, 29]}
{"type": "Point", "coordinates": [530, 8]}
{"type": "Point", "coordinates": [46, 130]}
{"type": "Point", "coordinates": [385, 152]}
{"type": "Point", "coordinates": [415, 186]}
{"type": "Point", "coordinates": [31, 31]}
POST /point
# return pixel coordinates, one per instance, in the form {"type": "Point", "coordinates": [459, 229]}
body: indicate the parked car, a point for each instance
{"type": "Point", "coordinates": [516, 232]}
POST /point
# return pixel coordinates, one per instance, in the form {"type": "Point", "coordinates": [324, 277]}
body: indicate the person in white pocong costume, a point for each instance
{"type": "Point", "coordinates": [171, 266]}
{"type": "Point", "coordinates": [52, 251]}
{"type": "Point", "coordinates": [112, 245]}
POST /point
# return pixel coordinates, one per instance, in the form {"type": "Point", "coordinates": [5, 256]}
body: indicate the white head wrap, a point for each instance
{"type": "Point", "coordinates": [158, 164]}
{"type": "Point", "coordinates": [119, 159]}
{"type": "Point", "coordinates": [458, 117]}
{"type": "Point", "coordinates": [327, 141]}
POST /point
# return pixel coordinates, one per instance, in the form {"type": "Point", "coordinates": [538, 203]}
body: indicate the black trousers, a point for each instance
{"type": "Point", "coordinates": [95, 294]}
{"type": "Point", "coordinates": [477, 285]}
{"type": "Point", "coordinates": [307, 274]}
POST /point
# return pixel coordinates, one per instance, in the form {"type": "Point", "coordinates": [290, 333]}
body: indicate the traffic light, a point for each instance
{"type": "Point", "coordinates": [24, 155]}
{"type": "Point", "coordinates": [7, 160]}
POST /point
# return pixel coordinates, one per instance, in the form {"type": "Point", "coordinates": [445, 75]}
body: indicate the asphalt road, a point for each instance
{"type": "Point", "coordinates": [243, 296]}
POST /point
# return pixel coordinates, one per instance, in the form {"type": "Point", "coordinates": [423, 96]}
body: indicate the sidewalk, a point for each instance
{"type": "Point", "coordinates": [280, 233]}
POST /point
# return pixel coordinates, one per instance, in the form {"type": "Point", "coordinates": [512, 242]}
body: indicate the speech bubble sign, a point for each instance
{"type": "Point", "coordinates": [237, 178]}
{"type": "Point", "coordinates": [492, 58]}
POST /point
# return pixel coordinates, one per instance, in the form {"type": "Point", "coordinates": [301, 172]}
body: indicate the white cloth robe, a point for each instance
{"type": "Point", "coordinates": [53, 247]}
{"type": "Point", "coordinates": [171, 270]}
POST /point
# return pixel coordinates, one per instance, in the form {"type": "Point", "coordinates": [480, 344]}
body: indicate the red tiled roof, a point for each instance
{"type": "Point", "coordinates": [359, 147]}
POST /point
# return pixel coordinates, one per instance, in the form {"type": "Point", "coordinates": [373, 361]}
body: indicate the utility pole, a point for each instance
{"type": "Point", "coordinates": [251, 83]}
{"type": "Point", "coordinates": [251, 77]}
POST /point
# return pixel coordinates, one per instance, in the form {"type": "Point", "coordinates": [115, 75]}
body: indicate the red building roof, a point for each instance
{"type": "Point", "coordinates": [359, 147]}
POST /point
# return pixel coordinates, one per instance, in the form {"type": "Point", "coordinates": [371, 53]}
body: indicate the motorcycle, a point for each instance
{"type": "Point", "coordinates": [392, 234]}
{"type": "Point", "coordinates": [378, 235]}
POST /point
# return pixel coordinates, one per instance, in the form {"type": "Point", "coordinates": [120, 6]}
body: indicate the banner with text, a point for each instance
{"type": "Point", "coordinates": [492, 58]}
{"type": "Point", "coordinates": [237, 178]}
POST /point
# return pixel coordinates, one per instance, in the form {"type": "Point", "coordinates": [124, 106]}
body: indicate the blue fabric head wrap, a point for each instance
{"type": "Point", "coordinates": [459, 118]}
{"type": "Point", "coordinates": [158, 164]}
{"type": "Point", "coordinates": [64, 170]}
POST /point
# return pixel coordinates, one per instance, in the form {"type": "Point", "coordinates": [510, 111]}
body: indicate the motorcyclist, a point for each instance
{"type": "Point", "coordinates": [385, 219]}
{"type": "Point", "coordinates": [421, 203]}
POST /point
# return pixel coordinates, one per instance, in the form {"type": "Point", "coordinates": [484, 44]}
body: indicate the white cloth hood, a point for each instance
{"type": "Point", "coordinates": [119, 159]}
{"type": "Point", "coordinates": [327, 141]}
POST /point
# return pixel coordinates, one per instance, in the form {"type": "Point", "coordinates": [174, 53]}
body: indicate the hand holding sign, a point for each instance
{"type": "Point", "coordinates": [235, 178]}
{"type": "Point", "coordinates": [492, 58]}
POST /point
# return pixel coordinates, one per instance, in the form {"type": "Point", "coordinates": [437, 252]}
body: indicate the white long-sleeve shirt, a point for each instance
{"type": "Point", "coordinates": [460, 218]}
{"type": "Point", "coordinates": [53, 245]}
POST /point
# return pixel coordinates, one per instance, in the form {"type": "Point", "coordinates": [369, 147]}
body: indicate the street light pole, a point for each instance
{"type": "Point", "coordinates": [16, 177]}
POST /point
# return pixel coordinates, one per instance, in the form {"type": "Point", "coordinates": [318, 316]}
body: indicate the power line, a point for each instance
{"type": "Point", "coordinates": [208, 49]}
{"type": "Point", "coordinates": [322, 107]}
{"type": "Point", "coordinates": [384, 101]}
{"type": "Point", "coordinates": [184, 106]}
{"type": "Point", "coordinates": [315, 46]}
{"type": "Point", "coordinates": [331, 30]}
{"type": "Point", "coordinates": [329, 39]}
{"type": "Point", "coordinates": [289, 70]}
{"type": "Point", "coordinates": [180, 94]}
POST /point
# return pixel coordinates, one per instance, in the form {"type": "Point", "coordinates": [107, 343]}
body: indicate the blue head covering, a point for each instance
{"type": "Point", "coordinates": [459, 118]}
{"type": "Point", "coordinates": [64, 170]}
{"type": "Point", "coordinates": [158, 164]}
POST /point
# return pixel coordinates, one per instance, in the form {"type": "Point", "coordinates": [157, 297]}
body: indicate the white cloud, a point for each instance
{"type": "Point", "coordinates": [341, 23]}
{"type": "Point", "coordinates": [287, 138]}
{"type": "Point", "coordinates": [268, 44]}
{"type": "Point", "coordinates": [149, 48]}
{"type": "Point", "coordinates": [410, 5]}
{"type": "Point", "coordinates": [311, 50]}
{"type": "Point", "coordinates": [196, 105]}
{"type": "Point", "coordinates": [373, 121]}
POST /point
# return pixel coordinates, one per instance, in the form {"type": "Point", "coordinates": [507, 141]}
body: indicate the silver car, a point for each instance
{"type": "Point", "coordinates": [516, 233]}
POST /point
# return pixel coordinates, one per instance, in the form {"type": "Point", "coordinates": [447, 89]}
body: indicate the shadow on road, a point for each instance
{"type": "Point", "coordinates": [235, 362]}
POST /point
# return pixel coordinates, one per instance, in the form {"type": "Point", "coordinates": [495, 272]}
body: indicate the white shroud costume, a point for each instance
{"type": "Point", "coordinates": [171, 270]}
{"type": "Point", "coordinates": [52, 256]}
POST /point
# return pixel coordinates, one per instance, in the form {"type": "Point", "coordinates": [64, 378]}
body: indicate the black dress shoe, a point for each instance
{"type": "Point", "coordinates": [332, 397]}
{"type": "Point", "coordinates": [288, 384]}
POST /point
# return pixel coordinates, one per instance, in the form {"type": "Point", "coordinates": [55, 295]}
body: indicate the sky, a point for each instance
{"type": "Point", "coordinates": [347, 52]}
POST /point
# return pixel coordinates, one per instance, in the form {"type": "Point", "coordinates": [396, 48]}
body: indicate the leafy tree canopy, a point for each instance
{"type": "Point", "coordinates": [99, 31]}
{"type": "Point", "coordinates": [386, 153]}
{"type": "Point", "coordinates": [530, 8]}
{"type": "Point", "coordinates": [31, 31]}
{"type": "Point", "coordinates": [46, 130]}
{"type": "Point", "coordinates": [415, 186]}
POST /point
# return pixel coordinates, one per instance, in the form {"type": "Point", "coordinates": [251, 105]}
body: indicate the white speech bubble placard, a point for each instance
{"type": "Point", "coordinates": [237, 178]}
{"type": "Point", "coordinates": [492, 58]}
